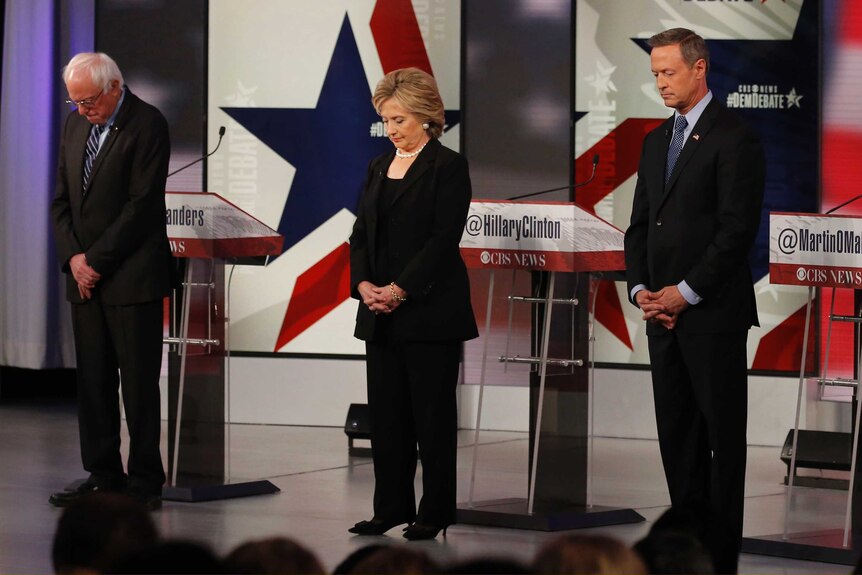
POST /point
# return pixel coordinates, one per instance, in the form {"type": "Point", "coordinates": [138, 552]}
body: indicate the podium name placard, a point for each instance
{"type": "Point", "coordinates": [544, 236]}
{"type": "Point", "coordinates": [815, 250]}
{"type": "Point", "coordinates": [203, 225]}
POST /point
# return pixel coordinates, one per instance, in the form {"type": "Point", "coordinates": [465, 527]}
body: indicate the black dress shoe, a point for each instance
{"type": "Point", "coordinates": [87, 488]}
{"type": "Point", "coordinates": [374, 527]}
{"type": "Point", "coordinates": [420, 531]}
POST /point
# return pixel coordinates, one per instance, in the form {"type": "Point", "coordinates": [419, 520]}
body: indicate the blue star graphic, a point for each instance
{"type": "Point", "coordinates": [329, 145]}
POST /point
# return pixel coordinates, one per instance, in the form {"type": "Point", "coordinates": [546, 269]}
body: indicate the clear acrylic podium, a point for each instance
{"type": "Point", "coordinates": [558, 243]}
{"type": "Point", "coordinates": [206, 231]}
{"type": "Point", "coordinates": [819, 250]}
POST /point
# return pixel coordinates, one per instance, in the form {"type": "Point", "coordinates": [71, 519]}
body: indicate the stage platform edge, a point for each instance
{"type": "Point", "coordinates": [512, 513]}
{"type": "Point", "coordinates": [196, 493]}
{"type": "Point", "coordinates": [822, 546]}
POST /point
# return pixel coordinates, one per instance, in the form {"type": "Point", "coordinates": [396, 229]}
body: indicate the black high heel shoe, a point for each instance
{"type": "Point", "coordinates": [420, 531]}
{"type": "Point", "coordinates": [374, 527]}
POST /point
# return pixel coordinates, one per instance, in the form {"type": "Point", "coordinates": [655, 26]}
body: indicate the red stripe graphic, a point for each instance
{"type": "Point", "coordinates": [318, 291]}
{"type": "Point", "coordinates": [779, 349]}
{"type": "Point", "coordinates": [609, 312]}
{"type": "Point", "coordinates": [841, 168]}
{"type": "Point", "coordinates": [619, 153]}
{"type": "Point", "coordinates": [397, 36]}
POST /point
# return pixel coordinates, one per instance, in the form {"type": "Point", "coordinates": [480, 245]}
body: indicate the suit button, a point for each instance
{"type": "Point", "coordinates": [658, 222]}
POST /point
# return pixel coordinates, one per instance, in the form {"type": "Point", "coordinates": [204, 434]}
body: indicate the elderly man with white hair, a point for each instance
{"type": "Point", "coordinates": [109, 222]}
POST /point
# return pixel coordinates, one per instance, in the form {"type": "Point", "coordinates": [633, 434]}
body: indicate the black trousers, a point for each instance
{"type": "Point", "coordinates": [700, 385]}
{"type": "Point", "coordinates": [411, 397]}
{"type": "Point", "coordinates": [114, 346]}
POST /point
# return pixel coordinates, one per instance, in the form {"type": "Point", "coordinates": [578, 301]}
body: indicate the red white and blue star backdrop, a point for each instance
{"type": "Point", "coordinates": [764, 65]}
{"type": "Point", "coordinates": [292, 82]}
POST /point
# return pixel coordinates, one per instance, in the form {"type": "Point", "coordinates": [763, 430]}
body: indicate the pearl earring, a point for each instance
{"type": "Point", "coordinates": [425, 126]}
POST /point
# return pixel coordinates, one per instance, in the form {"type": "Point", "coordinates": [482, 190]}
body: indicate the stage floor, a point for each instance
{"type": "Point", "coordinates": [324, 491]}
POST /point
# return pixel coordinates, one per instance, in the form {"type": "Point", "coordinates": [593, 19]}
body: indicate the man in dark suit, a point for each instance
{"type": "Point", "coordinates": [694, 218]}
{"type": "Point", "coordinates": [109, 222]}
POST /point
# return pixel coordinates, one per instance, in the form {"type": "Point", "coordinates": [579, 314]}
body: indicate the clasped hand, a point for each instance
{"type": "Point", "coordinates": [663, 306]}
{"type": "Point", "coordinates": [84, 275]}
{"type": "Point", "coordinates": [379, 298]}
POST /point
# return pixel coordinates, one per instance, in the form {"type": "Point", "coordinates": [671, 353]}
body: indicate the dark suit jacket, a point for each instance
{"type": "Point", "coordinates": [120, 223]}
{"type": "Point", "coordinates": [425, 225]}
{"type": "Point", "coordinates": [700, 227]}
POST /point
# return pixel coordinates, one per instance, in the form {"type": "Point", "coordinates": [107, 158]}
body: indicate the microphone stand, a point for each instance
{"type": "Point", "coordinates": [841, 205]}
{"type": "Point", "coordinates": [221, 132]}
{"type": "Point", "coordinates": [570, 187]}
{"type": "Point", "coordinates": [180, 263]}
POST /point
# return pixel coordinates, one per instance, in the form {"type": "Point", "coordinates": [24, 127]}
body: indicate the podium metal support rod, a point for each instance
{"type": "Point", "coordinates": [849, 511]}
{"type": "Point", "coordinates": [481, 387]}
{"type": "Point", "coordinates": [788, 493]}
{"type": "Point", "coordinates": [191, 341]}
{"type": "Point", "coordinates": [543, 372]}
{"type": "Point", "coordinates": [825, 371]}
{"type": "Point", "coordinates": [184, 329]}
{"type": "Point", "coordinates": [592, 298]}
{"type": "Point", "coordinates": [227, 454]}
{"type": "Point", "coordinates": [509, 323]}
{"type": "Point", "coordinates": [568, 300]}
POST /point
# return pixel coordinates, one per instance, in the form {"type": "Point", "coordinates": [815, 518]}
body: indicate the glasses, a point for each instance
{"type": "Point", "coordinates": [86, 102]}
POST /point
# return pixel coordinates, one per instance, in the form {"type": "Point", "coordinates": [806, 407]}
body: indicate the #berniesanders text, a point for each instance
{"type": "Point", "coordinates": [185, 216]}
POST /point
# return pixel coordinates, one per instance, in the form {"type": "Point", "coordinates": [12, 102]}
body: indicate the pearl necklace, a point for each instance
{"type": "Point", "coordinates": [402, 155]}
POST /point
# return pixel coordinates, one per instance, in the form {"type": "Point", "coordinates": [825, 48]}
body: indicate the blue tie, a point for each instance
{"type": "Point", "coordinates": [675, 146]}
{"type": "Point", "coordinates": [92, 150]}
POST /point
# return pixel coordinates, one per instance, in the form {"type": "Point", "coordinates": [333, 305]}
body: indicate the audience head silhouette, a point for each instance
{"type": "Point", "coordinates": [587, 555]}
{"type": "Point", "coordinates": [395, 559]}
{"type": "Point", "coordinates": [675, 543]}
{"type": "Point", "coordinates": [488, 566]}
{"type": "Point", "coordinates": [169, 557]}
{"type": "Point", "coordinates": [272, 556]}
{"type": "Point", "coordinates": [95, 530]}
{"type": "Point", "coordinates": [349, 563]}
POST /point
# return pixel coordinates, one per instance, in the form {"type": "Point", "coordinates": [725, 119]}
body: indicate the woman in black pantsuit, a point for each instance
{"type": "Point", "coordinates": [407, 271]}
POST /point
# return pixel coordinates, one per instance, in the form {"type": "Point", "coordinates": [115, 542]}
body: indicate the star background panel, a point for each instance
{"type": "Point", "coordinates": [615, 87]}
{"type": "Point", "coordinates": [292, 81]}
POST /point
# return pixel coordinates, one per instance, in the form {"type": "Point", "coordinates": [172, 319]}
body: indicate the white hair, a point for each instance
{"type": "Point", "coordinates": [101, 68]}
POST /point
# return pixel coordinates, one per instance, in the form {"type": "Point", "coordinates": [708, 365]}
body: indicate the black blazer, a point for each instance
{"type": "Point", "coordinates": [700, 227]}
{"type": "Point", "coordinates": [425, 225]}
{"type": "Point", "coordinates": [120, 223]}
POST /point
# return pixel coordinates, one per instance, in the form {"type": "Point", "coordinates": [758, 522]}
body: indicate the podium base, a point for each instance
{"type": "Point", "coordinates": [512, 513]}
{"type": "Point", "coordinates": [197, 493]}
{"type": "Point", "coordinates": [823, 546]}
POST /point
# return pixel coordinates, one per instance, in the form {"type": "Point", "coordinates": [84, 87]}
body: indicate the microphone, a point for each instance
{"type": "Point", "coordinates": [221, 132]}
{"type": "Point", "coordinates": [570, 187]}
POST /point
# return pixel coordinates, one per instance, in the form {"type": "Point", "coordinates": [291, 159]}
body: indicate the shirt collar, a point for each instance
{"type": "Point", "coordinates": [694, 114]}
{"type": "Point", "coordinates": [113, 117]}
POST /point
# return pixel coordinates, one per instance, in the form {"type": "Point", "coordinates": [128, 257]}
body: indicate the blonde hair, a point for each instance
{"type": "Point", "coordinates": [416, 91]}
